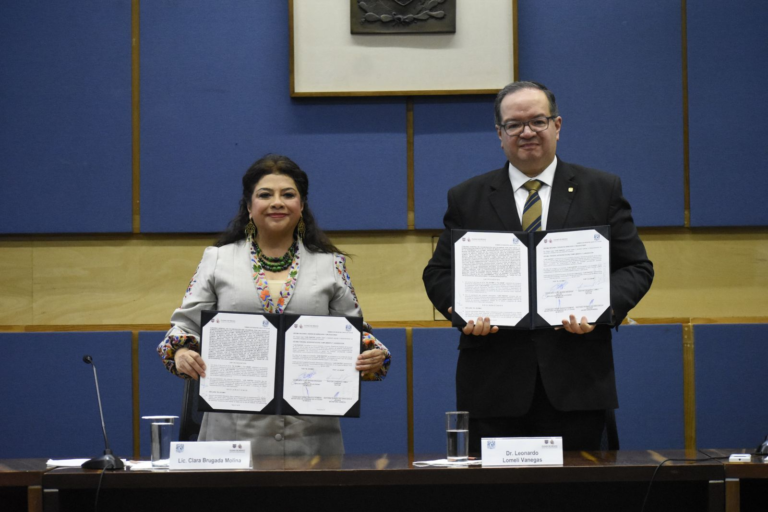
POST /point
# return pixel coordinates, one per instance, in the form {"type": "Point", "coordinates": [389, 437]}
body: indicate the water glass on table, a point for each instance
{"type": "Point", "coordinates": [457, 435]}
{"type": "Point", "coordinates": [161, 434]}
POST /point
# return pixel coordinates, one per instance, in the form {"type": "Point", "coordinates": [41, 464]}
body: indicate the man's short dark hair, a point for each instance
{"type": "Point", "coordinates": [517, 86]}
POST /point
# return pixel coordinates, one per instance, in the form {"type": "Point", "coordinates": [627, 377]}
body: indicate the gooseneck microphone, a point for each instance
{"type": "Point", "coordinates": [108, 460]}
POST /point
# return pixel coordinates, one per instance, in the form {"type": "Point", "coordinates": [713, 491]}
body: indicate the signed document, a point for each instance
{"type": "Point", "coordinates": [240, 352]}
{"type": "Point", "coordinates": [531, 280]}
{"type": "Point", "coordinates": [491, 277]}
{"type": "Point", "coordinates": [280, 364]}
{"type": "Point", "coordinates": [573, 275]}
{"type": "Point", "coordinates": [320, 356]}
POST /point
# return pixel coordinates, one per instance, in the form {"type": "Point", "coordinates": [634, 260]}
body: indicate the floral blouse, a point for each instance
{"type": "Point", "coordinates": [210, 282]}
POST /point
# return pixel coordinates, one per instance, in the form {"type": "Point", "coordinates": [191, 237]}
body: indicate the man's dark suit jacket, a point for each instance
{"type": "Point", "coordinates": [496, 374]}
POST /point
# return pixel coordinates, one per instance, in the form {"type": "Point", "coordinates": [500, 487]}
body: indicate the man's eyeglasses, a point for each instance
{"type": "Point", "coordinates": [537, 124]}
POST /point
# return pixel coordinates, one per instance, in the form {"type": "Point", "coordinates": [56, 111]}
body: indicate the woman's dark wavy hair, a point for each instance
{"type": "Point", "coordinates": [314, 238]}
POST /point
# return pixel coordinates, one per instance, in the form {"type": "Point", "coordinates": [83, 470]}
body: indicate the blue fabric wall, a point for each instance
{"type": "Point", "coordinates": [649, 380]}
{"type": "Point", "coordinates": [616, 68]}
{"type": "Point", "coordinates": [48, 394]}
{"type": "Point", "coordinates": [214, 98]}
{"type": "Point", "coordinates": [50, 408]}
{"type": "Point", "coordinates": [435, 355]}
{"type": "Point", "coordinates": [616, 71]}
{"type": "Point", "coordinates": [65, 117]}
{"type": "Point", "coordinates": [727, 52]}
{"type": "Point", "coordinates": [382, 427]}
{"type": "Point", "coordinates": [731, 386]}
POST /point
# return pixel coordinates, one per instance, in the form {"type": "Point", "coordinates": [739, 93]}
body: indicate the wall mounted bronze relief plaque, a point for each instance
{"type": "Point", "coordinates": [403, 16]}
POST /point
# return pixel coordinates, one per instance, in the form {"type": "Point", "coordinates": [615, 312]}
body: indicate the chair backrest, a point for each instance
{"type": "Point", "coordinates": [191, 418]}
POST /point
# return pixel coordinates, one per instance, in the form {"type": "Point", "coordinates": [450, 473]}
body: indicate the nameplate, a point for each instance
{"type": "Point", "coordinates": [211, 455]}
{"type": "Point", "coordinates": [522, 451]}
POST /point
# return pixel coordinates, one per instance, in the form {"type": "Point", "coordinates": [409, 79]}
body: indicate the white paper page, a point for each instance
{"type": "Point", "coordinates": [320, 356]}
{"type": "Point", "coordinates": [240, 356]}
{"type": "Point", "coordinates": [491, 277]}
{"type": "Point", "coordinates": [574, 275]}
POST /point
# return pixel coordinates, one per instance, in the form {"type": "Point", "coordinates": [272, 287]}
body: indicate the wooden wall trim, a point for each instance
{"type": "Point", "coordinates": [135, 390]}
{"type": "Point", "coordinates": [135, 119]}
{"type": "Point", "coordinates": [426, 324]}
{"type": "Point", "coordinates": [85, 328]}
{"type": "Point", "coordinates": [686, 146]}
{"type": "Point", "coordinates": [374, 235]}
{"type": "Point", "coordinates": [409, 386]}
{"type": "Point", "coordinates": [515, 43]}
{"type": "Point", "coordinates": [689, 388]}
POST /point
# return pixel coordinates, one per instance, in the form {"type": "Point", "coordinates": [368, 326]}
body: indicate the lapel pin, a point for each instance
{"type": "Point", "coordinates": [570, 189]}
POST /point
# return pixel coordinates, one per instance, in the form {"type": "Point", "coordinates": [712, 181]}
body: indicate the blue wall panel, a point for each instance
{"type": "Point", "coordinates": [731, 385]}
{"type": "Point", "coordinates": [215, 97]}
{"type": "Point", "coordinates": [454, 139]}
{"type": "Point", "coordinates": [65, 103]}
{"type": "Point", "coordinates": [649, 380]}
{"type": "Point", "coordinates": [383, 423]}
{"type": "Point", "coordinates": [49, 396]}
{"type": "Point", "coordinates": [434, 387]}
{"type": "Point", "coordinates": [160, 392]}
{"type": "Point", "coordinates": [727, 52]}
{"type": "Point", "coordinates": [616, 70]}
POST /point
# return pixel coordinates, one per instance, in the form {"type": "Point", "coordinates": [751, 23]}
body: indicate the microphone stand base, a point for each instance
{"type": "Point", "coordinates": [106, 461]}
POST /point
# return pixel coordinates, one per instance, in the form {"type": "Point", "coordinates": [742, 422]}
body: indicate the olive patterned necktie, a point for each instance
{"type": "Point", "coordinates": [532, 208]}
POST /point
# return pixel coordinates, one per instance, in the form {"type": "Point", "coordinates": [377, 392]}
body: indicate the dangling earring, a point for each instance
{"type": "Point", "coordinates": [302, 228]}
{"type": "Point", "coordinates": [250, 229]}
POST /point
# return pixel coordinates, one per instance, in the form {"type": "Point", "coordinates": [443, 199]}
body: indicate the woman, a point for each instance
{"type": "Point", "coordinates": [272, 258]}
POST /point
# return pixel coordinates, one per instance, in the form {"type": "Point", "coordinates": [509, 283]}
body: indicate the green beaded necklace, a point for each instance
{"type": "Point", "coordinates": [278, 264]}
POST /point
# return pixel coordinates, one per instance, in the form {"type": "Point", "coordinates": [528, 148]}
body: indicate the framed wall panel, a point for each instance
{"type": "Point", "coordinates": [327, 60]}
{"type": "Point", "coordinates": [730, 385]}
{"type": "Point", "coordinates": [649, 379]}
{"type": "Point", "coordinates": [49, 396]}
{"type": "Point", "coordinates": [727, 49]}
{"type": "Point", "coordinates": [383, 423]}
{"type": "Point", "coordinates": [435, 355]}
{"type": "Point", "coordinates": [454, 140]}
{"type": "Point", "coordinates": [214, 98]}
{"type": "Point", "coordinates": [65, 135]}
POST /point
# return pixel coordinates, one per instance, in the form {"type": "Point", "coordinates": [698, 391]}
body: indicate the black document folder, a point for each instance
{"type": "Point", "coordinates": [280, 403]}
{"type": "Point", "coordinates": [532, 241]}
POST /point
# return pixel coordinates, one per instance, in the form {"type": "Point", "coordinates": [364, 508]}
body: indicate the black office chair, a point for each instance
{"type": "Point", "coordinates": [610, 440]}
{"type": "Point", "coordinates": [191, 418]}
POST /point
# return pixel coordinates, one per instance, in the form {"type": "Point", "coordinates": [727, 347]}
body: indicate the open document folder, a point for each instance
{"type": "Point", "coordinates": [280, 364]}
{"type": "Point", "coordinates": [531, 280]}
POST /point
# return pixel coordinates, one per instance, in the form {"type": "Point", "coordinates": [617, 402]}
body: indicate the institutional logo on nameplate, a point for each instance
{"type": "Point", "coordinates": [522, 451]}
{"type": "Point", "coordinates": [211, 455]}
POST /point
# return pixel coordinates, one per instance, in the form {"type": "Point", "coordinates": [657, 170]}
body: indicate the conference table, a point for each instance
{"type": "Point", "coordinates": [586, 481]}
{"type": "Point", "coordinates": [21, 484]}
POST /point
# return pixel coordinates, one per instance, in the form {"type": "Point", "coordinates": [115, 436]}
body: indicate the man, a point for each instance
{"type": "Point", "coordinates": [546, 382]}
